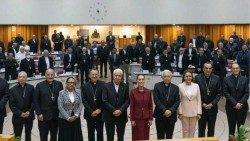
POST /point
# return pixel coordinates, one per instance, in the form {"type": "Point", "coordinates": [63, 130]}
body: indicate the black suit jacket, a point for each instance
{"type": "Point", "coordinates": [148, 62]}
{"type": "Point", "coordinates": [21, 100]}
{"type": "Point", "coordinates": [110, 41]}
{"type": "Point", "coordinates": [103, 53]}
{"type": "Point", "coordinates": [4, 96]}
{"type": "Point", "coordinates": [68, 43]}
{"type": "Point", "coordinates": [181, 40]}
{"type": "Point", "coordinates": [42, 66]}
{"type": "Point", "coordinates": [124, 56]}
{"type": "Point", "coordinates": [161, 102]}
{"type": "Point", "coordinates": [114, 63]}
{"type": "Point", "coordinates": [84, 61]}
{"type": "Point", "coordinates": [236, 93]}
{"type": "Point", "coordinates": [165, 62]}
{"type": "Point", "coordinates": [33, 45]}
{"type": "Point", "coordinates": [215, 91]}
{"type": "Point", "coordinates": [66, 61]}
{"type": "Point", "coordinates": [45, 44]}
{"type": "Point", "coordinates": [28, 66]}
{"type": "Point", "coordinates": [43, 101]}
{"type": "Point", "coordinates": [92, 100]}
{"type": "Point", "coordinates": [112, 103]}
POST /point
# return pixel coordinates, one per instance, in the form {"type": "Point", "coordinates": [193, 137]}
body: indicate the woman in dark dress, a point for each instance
{"type": "Point", "coordinates": [141, 110]}
{"type": "Point", "coordinates": [70, 107]}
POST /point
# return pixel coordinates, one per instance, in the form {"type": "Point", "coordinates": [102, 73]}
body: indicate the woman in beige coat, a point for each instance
{"type": "Point", "coordinates": [190, 105]}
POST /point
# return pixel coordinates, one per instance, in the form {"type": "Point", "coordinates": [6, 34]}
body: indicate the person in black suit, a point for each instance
{"type": "Point", "coordinates": [13, 40]}
{"type": "Point", "coordinates": [68, 43]}
{"type": "Point", "coordinates": [11, 66]}
{"type": "Point", "coordinates": [200, 40]}
{"type": "Point", "coordinates": [114, 61]}
{"type": "Point", "coordinates": [69, 61]}
{"type": "Point", "coordinates": [22, 106]}
{"type": "Point", "coordinates": [103, 54]}
{"type": "Point", "coordinates": [236, 91]}
{"type": "Point", "coordinates": [162, 44]}
{"type": "Point", "coordinates": [84, 64]}
{"type": "Point", "coordinates": [138, 37]}
{"type": "Point", "coordinates": [53, 36]}
{"type": "Point", "coordinates": [45, 62]}
{"type": "Point", "coordinates": [94, 55]}
{"type": "Point", "coordinates": [167, 100]}
{"type": "Point", "coordinates": [223, 40]}
{"type": "Point", "coordinates": [92, 92]}
{"type": "Point", "coordinates": [189, 56]}
{"type": "Point", "coordinates": [45, 44]}
{"type": "Point", "coordinates": [210, 90]}
{"type": "Point", "coordinates": [2, 58]}
{"type": "Point", "coordinates": [200, 60]}
{"type": "Point", "coordinates": [4, 97]}
{"type": "Point", "coordinates": [175, 47]}
{"type": "Point", "coordinates": [115, 104]}
{"type": "Point", "coordinates": [181, 39]}
{"type": "Point", "coordinates": [139, 50]}
{"type": "Point", "coordinates": [19, 39]}
{"type": "Point", "coordinates": [125, 61]}
{"type": "Point", "coordinates": [13, 49]}
{"type": "Point", "coordinates": [33, 43]}
{"type": "Point", "coordinates": [28, 65]}
{"type": "Point", "coordinates": [58, 43]}
{"type": "Point", "coordinates": [148, 60]}
{"type": "Point", "coordinates": [209, 42]}
{"type": "Point", "coordinates": [220, 64]}
{"type": "Point", "coordinates": [110, 40]}
{"type": "Point", "coordinates": [46, 107]}
{"type": "Point", "coordinates": [165, 60]}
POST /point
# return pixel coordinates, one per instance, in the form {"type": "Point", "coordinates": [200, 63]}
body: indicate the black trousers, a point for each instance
{"type": "Point", "coordinates": [120, 130]}
{"type": "Point", "coordinates": [95, 125]}
{"type": "Point", "coordinates": [86, 73]}
{"type": "Point", "coordinates": [235, 117]}
{"type": "Point", "coordinates": [164, 128]}
{"type": "Point", "coordinates": [103, 63]}
{"type": "Point", "coordinates": [47, 126]}
{"type": "Point", "coordinates": [18, 129]}
{"type": "Point", "coordinates": [209, 121]}
{"type": "Point", "coordinates": [1, 124]}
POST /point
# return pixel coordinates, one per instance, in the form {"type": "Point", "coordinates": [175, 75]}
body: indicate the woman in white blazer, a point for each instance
{"type": "Point", "coordinates": [190, 104]}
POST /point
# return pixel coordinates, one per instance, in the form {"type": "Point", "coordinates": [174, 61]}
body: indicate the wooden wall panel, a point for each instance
{"type": "Point", "coordinates": [170, 32]}
{"type": "Point", "coordinates": [26, 31]}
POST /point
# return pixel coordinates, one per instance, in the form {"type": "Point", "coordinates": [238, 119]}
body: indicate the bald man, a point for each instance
{"type": "Point", "coordinates": [45, 99]}
{"type": "Point", "coordinates": [22, 106]}
{"type": "Point", "coordinates": [236, 91]}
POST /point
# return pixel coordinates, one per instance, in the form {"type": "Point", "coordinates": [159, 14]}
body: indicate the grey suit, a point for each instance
{"type": "Point", "coordinates": [66, 107]}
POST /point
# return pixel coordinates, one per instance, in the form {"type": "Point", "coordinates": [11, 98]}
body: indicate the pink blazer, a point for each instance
{"type": "Point", "coordinates": [190, 105]}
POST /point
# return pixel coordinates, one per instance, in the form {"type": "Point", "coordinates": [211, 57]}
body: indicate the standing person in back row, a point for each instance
{"type": "Point", "coordinates": [45, 99]}
{"type": "Point", "coordinates": [115, 104]}
{"type": "Point", "coordinates": [236, 91]}
{"type": "Point", "coordinates": [4, 97]}
{"type": "Point", "coordinates": [210, 89]}
{"type": "Point", "coordinates": [110, 40]}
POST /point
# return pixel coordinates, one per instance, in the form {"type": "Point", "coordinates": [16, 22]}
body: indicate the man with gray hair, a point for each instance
{"type": "Point", "coordinates": [167, 100]}
{"type": "Point", "coordinates": [115, 104]}
{"type": "Point", "coordinates": [22, 106]}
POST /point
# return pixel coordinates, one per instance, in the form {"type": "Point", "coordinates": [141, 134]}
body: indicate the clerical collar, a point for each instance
{"type": "Point", "coordinates": [206, 76]}
{"type": "Point", "coordinates": [93, 83]}
{"type": "Point", "coordinates": [21, 85]}
{"type": "Point", "coordinates": [235, 76]}
{"type": "Point", "coordinates": [49, 83]}
{"type": "Point", "coordinates": [167, 84]}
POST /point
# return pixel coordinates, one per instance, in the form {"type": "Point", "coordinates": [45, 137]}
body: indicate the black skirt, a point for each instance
{"type": "Point", "coordinates": [70, 131]}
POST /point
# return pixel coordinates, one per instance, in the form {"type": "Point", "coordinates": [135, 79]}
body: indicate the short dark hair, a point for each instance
{"type": "Point", "coordinates": [140, 75]}
{"type": "Point", "coordinates": [69, 78]}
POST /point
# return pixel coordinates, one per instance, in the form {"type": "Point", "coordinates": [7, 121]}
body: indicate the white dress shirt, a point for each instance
{"type": "Point", "coordinates": [47, 62]}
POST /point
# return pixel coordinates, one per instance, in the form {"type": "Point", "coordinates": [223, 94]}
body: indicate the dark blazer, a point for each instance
{"type": "Point", "coordinates": [42, 66]}
{"type": "Point", "coordinates": [68, 43]}
{"type": "Point", "coordinates": [28, 66]}
{"type": "Point", "coordinates": [165, 62]}
{"type": "Point", "coordinates": [181, 40]}
{"type": "Point", "coordinates": [110, 41]}
{"type": "Point", "coordinates": [2, 60]}
{"type": "Point", "coordinates": [161, 102]}
{"type": "Point", "coordinates": [33, 45]}
{"type": "Point", "coordinates": [139, 50]}
{"type": "Point", "coordinates": [92, 100]}
{"type": "Point", "coordinates": [236, 93]}
{"type": "Point", "coordinates": [215, 92]}
{"type": "Point", "coordinates": [21, 100]}
{"type": "Point", "coordinates": [84, 61]}
{"type": "Point", "coordinates": [66, 62]}
{"type": "Point", "coordinates": [4, 96]}
{"type": "Point", "coordinates": [148, 62]}
{"type": "Point", "coordinates": [114, 63]}
{"type": "Point", "coordinates": [2, 45]}
{"type": "Point", "coordinates": [125, 58]}
{"type": "Point", "coordinates": [103, 53]}
{"type": "Point", "coordinates": [219, 65]}
{"type": "Point", "coordinates": [112, 103]}
{"type": "Point", "coordinates": [45, 44]}
{"type": "Point", "coordinates": [43, 101]}
{"type": "Point", "coordinates": [141, 105]}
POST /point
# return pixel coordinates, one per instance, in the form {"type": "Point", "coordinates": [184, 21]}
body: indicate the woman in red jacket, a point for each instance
{"type": "Point", "coordinates": [141, 110]}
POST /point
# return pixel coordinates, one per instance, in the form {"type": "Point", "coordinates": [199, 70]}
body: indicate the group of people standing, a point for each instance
{"type": "Point", "coordinates": [59, 109]}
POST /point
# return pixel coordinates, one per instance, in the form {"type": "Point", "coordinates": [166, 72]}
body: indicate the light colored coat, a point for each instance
{"type": "Point", "coordinates": [190, 105]}
{"type": "Point", "coordinates": [66, 107]}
